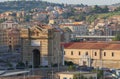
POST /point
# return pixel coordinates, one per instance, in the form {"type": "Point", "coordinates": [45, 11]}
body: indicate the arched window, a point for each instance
{"type": "Point", "coordinates": [79, 52]}
{"type": "Point", "coordinates": [104, 53]}
{"type": "Point", "coordinates": [112, 54]}
{"type": "Point", "coordinates": [71, 52]}
{"type": "Point", "coordinates": [95, 53]}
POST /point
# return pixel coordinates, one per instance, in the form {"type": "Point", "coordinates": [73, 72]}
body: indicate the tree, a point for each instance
{"type": "Point", "coordinates": [79, 76]}
{"type": "Point", "coordinates": [20, 65]}
{"type": "Point", "coordinates": [68, 63]}
{"type": "Point", "coordinates": [27, 18]}
{"type": "Point", "coordinates": [117, 9]}
{"type": "Point", "coordinates": [100, 74]}
{"type": "Point", "coordinates": [105, 9]}
{"type": "Point", "coordinates": [97, 9]}
{"type": "Point", "coordinates": [117, 38]}
{"type": "Point", "coordinates": [91, 18]}
{"type": "Point", "coordinates": [71, 67]}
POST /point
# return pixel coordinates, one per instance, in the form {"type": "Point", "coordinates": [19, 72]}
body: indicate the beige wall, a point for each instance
{"type": "Point", "coordinates": [82, 52]}
{"type": "Point", "coordinates": [97, 61]}
{"type": "Point", "coordinates": [67, 76]}
{"type": "Point", "coordinates": [70, 75]}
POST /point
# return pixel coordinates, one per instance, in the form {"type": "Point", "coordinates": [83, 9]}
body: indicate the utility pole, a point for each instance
{"type": "Point", "coordinates": [106, 29]}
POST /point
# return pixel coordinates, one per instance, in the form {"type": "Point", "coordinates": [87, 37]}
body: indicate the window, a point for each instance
{"type": "Point", "coordinates": [79, 53]}
{"type": "Point", "coordinates": [37, 33]}
{"type": "Point", "coordinates": [104, 53]}
{"type": "Point", "coordinates": [9, 41]}
{"type": "Point", "coordinates": [64, 78]}
{"type": "Point", "coordinates": [112, 54]}
{"type": "Point", "coordinates": [64, 52]}
{"type": "Point", "coordinates": [86, 53]}
{"type": "Point", "coordinates": [95, 53]}
{"type": "Point", "coordinates": [71, 52]}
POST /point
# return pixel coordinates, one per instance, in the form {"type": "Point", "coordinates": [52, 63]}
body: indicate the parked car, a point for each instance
{"type": "Point", "coordinates": [85, 68]}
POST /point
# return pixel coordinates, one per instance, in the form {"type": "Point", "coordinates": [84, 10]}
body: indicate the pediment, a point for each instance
{"type": "Point", "coordinates": [38, 29]}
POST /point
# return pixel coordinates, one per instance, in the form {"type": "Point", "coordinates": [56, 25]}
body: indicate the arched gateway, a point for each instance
{"type": "Point", "coordinates": [36, 57]}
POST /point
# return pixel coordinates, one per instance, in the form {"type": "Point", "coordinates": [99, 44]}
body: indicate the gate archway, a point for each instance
{"type": "Point", "coordinates": [36, 57]}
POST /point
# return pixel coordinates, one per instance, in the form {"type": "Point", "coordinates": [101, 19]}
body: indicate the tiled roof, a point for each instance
{"type": "Point", "coordinates": [72, 25]}
{"type": "Point", "coordinates": [92, 45]}
{"type": "Point", "coordinates": [113, 46]}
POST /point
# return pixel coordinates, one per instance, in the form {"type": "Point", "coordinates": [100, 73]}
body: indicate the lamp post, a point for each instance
{"type": "Point", "coordinates": [101, 58]}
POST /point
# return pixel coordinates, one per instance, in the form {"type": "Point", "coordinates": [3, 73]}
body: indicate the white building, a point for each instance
{"type": "Point", "coordinates": [9, 24]}
{"type": "Point", "coordinates": [77, 29]}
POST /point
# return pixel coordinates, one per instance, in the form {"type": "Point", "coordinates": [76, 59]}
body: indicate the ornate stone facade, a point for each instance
{"type": "Point", "coordinates": [41, 46]}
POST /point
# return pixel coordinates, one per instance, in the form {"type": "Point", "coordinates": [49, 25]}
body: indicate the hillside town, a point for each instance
{"type": "Point", "coordinates": [59, 41]}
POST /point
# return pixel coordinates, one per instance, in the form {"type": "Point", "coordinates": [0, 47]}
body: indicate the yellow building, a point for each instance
{"type": "Point", "coordinates": [97, 54]}
{"type": "Point", "coordinates": [41, 46]}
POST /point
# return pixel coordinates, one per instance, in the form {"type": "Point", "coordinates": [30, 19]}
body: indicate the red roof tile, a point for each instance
{"type": "Point", "coordinates": [91, 45]}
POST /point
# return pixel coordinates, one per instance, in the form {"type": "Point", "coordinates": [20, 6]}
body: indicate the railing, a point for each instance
{"type": "Point", "coordinates": [23, 77]}
{"type": "Point", "coordinates": [77, 36]}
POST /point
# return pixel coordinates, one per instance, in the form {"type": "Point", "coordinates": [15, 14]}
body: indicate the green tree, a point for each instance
{"type": "Point", "coordinates": [105, 9]}
{"type": "Point", "coordinates": [27, 18]}
{"type": "Point", "coordinates": [79, 76]}
{"type": "Point", "coordinates": [20, 64]}
{"type": "Point", "coordinates": [2, 20]}
{"type": "Point", "coordinates": [99, 73]}
{"type": "Point", "coordinates": [117, 9]}
{"type": "Point", "coordinates": [71, 67]}
{"type": "Point", "coordinates": [91, 18]}
{"type": "Point", "coordinates": [97, 9]}
{"type": "Point", "coordinates": [117, 38]}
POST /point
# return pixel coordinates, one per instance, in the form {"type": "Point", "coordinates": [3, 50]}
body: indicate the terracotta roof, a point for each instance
{"type": "Point", "coordinates": [46, 27]}
{"type": "Point", "coordinates": [92, 45]}
{"type": "Point", "coordinates": [72, 25]}
{"type": "Point", "coordinates": [113, 46]}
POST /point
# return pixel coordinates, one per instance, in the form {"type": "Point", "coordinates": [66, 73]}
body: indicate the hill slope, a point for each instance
{"type": "Point", "coordinates": [24, 5]}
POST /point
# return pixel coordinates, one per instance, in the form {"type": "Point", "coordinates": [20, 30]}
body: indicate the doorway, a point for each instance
{"type": "Point", "coordinates": [36, 58]}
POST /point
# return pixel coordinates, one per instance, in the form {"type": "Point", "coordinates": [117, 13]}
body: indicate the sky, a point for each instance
{"type": "Point", "coordinates": [88, 2]}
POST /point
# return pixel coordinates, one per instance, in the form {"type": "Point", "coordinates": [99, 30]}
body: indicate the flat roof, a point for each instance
{"type": "Point", "coordinates": [76, 72]}
{"type": "Point", "coordinates": [15, 73]}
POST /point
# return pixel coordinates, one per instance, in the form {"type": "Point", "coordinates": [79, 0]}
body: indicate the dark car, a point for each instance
{"type": "Point", "coordinates": [85, 68]}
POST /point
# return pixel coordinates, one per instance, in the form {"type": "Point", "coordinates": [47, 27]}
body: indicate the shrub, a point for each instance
{"type": "Point", "coordinates": [68, 63]}
{"type": "Point", "coordinates": [20, 65]}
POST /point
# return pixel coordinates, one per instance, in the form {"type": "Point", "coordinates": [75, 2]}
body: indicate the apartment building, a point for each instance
{"type": "Point", "coordinates": [10, 36]}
